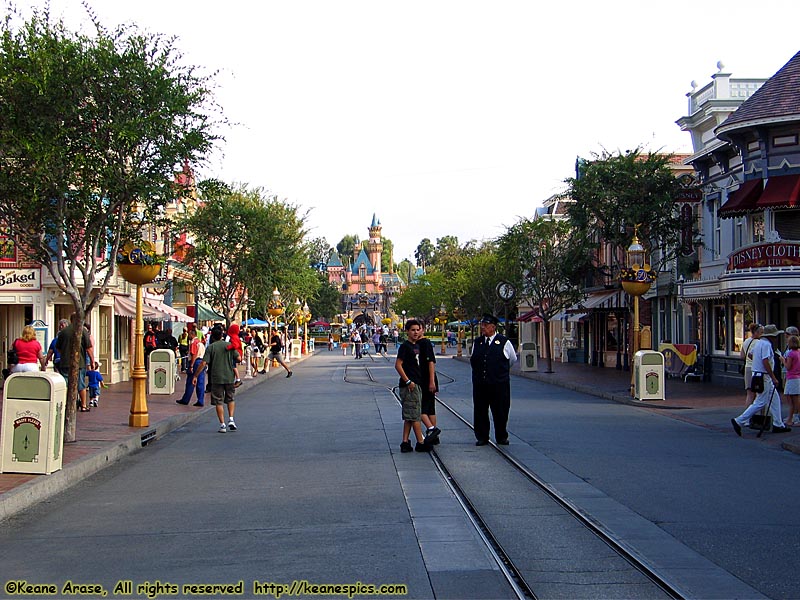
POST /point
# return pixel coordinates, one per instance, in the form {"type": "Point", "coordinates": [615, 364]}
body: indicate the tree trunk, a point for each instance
{"type": "Point", "coordinates": [548, 349]}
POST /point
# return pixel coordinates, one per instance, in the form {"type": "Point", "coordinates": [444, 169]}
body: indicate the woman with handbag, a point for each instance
{"type": "Point", "coordinates": [30, 356]}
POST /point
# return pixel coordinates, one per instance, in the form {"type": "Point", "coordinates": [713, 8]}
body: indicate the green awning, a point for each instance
{"type": "Point", "coordinates": [206, 313]}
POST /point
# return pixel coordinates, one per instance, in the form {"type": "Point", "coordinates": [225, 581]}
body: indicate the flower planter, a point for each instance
{"type": "Point", "coordinates": [636, 288]}
{"type": "Point", "coordinates": [138, 274]}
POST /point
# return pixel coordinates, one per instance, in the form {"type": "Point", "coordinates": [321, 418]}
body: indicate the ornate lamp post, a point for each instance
{"type": "Point", "coordinates": [275, 309]}
{"type": "Point", "coordinates": [442, 316]}
{"type": "Point", "coordinates": [136, 264]}
{"type": "Point", "coordinates": [636, 280]}
{"type": "Point", "coordinates": [402, 312]}
{"type": "Point", "coordinates": [306, 321]}
{"type": "Point", "coordinates": [459, 313]}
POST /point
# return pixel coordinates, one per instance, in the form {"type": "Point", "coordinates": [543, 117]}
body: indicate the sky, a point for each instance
{"type": "Point", "coordinates": [446, 117]}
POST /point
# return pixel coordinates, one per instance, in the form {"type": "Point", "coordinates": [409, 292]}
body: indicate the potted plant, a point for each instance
{"type": "Point", "coordinates": [637, 281]}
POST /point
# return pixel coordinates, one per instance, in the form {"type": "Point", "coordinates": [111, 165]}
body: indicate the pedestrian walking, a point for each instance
{"type": "Point", "coordinates": [429, 387]}
{"type": "Point", "coordinates": [756, 330]}
{"type": "Point", "coordinates": [491, 360]}
{"type": "Point", "coordinates": [792, 386]}
{"type": "Point", "coordinates": [276, 352]}
{"type": "Point", "coordinates": [197, 350]}
{"type": "Point", "coordinates": [30, 356]}
{"type": "Point", "coordinates": [52, 353]}
{"type": "Point", "coordinates": [409, 366]}
{"type": "Point", "coordinates": [67, 337]}
{"type": "Point", "coordinates": [183, 350]}
{"type": "Point", "coordinates": [764, 382]}
{"type": "Point", "coordinates": [95, 382]}
{"type": "Point", "coordinates": [218, 359]}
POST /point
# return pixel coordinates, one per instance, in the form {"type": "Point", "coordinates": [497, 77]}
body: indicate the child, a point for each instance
{"type": "Point", "coordinates": [95, 383]}
{"type": "Point", "coordinates": [408, 367]}
{"type": "Point", "coordinates": [792, 389]}
{"type": "Point", "coordinates": [235, 343]}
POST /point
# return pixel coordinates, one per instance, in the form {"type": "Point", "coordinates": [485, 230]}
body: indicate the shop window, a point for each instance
{"type": "Point", "coordinates": [612, 343]}
{"type": "Point", "coordinates": [121, 337]}
{"type": "Point", "coordinates": [787, 224]}
{"type": "Point", "coordinates": [717, 243]}
{"type": "Point", "coordinates": [758, 228]}
{"type": "Point", "coordinates": [742, 315]}
{"type": "Point", "coordinates": [720, 328]}
{"type": "Point", "coordinates": [8, 249]}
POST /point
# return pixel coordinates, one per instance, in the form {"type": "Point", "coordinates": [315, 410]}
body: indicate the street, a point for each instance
{"type": "Point", "coordinates": [312, 488]}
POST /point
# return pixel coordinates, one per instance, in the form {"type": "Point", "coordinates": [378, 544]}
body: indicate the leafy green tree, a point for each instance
{"type": "Point", "coordinates": [92, 130]}
{"type": "Point", "coordinates": [551, 263]}
{"type": "Point", "coordinates": [424, 253]}
{"type": "Point", "coordinates": [387, 256]}
{"type": "Point", "coordinates": [326, 303]}
{"type": "Point", "coordinates": [345, 248]}
{"type": "Point", "coordinates": [616, 193]}
{"type": "Point", "coordinates": [406, 270]}
{"type": "Point", "coordinates": [421, 300]}
{"type": "Point", "coordinates": [319, 251]}
{"type": "Point", "coordinates": [245, 245]}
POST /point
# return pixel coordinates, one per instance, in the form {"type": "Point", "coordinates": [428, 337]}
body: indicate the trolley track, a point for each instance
{"type": "Point", "coordinates": [364, 375]}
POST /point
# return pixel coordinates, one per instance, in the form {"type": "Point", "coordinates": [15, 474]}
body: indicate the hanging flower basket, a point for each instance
{"type": "Point", "coordinates": [139, 274]}
{"type": "Point", "coordinates": [138, 263]}
{"type": "Point", "coordinates": [636, 288]}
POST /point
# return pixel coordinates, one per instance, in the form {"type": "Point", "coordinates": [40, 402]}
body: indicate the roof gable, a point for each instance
{"type": "Point", "coordinates": [777, 98]}
{"type": "Point", "coordinates": [362, 260]}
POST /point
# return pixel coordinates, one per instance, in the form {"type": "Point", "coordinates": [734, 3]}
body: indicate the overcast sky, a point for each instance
{"type": "Point", "coordinates": [448, 117]}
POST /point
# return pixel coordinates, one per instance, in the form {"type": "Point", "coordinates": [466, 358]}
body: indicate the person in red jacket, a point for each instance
{"type": "Point", "coordinates": [235, 343]}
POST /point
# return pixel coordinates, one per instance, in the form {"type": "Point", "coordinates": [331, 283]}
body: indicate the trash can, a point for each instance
{"type": "Point", "coordinates": [648, 375]}
{"type": "Point", "coordinates": [161, 373]}
{"type": "Point", "coordinates": [297, 348]}
{"type": "Point", "coordinates": [528, 361]}
{"type": "Point", "coordinates": [33, 423]}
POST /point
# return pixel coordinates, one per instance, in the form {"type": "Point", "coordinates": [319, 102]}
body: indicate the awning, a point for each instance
{"type": "Point", "coordinates": [781, 192]}
{"type": "Point", "coordinates": [172, 314]}
{"type": "Point", "coordinates": [595, 300]}
{"type": "Point", "coordinates": [206, 313]}
{"type": "Point", "coordinates": [574, 317]}
{"type": "Point", "coordinates": [126, 307]}
{"type": "Point", "coordinates": [742, 201]}
{"type": "Point", "coordinates": [530, 316]}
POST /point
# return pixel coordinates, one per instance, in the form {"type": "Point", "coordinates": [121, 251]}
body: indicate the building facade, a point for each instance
{"type": "Point", "coordinates": [746, 136]}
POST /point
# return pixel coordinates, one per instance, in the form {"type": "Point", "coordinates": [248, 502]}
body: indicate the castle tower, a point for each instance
{"type": "Point", "coordinates": [375, 244]}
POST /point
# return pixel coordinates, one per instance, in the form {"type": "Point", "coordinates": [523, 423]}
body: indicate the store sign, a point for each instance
{"type": "Point", "coordinates": [777, 254]}
{"type": "Point", "coordinates": [689, 194]}
{"type": "Point", "coordinates": [20, 279]}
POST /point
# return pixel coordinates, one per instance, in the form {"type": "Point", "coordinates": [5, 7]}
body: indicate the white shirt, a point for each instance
{"type": "Point", "coordinates": [762, 349]}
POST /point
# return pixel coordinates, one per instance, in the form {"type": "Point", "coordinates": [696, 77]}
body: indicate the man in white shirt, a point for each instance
{"type": "Point", "coordinates": [764, 364]}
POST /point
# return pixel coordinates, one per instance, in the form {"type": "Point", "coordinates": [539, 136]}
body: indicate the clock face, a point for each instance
{"type": "Point", "coordinates": [505, 290]}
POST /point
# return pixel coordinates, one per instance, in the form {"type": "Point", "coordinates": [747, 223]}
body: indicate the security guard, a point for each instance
{"type": "Point", "coordinates": [491, 360]}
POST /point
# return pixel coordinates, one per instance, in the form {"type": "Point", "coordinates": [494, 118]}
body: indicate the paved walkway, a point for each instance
{"type": "Point", "coordinates": [104, 435]}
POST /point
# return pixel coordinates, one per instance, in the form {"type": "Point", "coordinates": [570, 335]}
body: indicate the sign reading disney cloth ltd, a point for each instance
{"type": "Point", "coordinates": [776, 254]}
{"type": "Point", "coordinates": [20, 279]}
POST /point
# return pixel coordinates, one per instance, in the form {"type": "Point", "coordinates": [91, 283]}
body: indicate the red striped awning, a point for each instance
{"type": "Point", "coordinates": [742, 201]}
{"type": "Point", "coordinates": [781, 192]}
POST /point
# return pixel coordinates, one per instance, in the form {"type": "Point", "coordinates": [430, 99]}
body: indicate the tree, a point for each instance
{"type": "Point", "coordinates": [424, 253]}
{"type": "Point", "coordinates": [387, 256]}
{"type": "Point", "coordinates": [345, 248]}
{"type": "Point", "coordinates": [327, 302]}
{"type": "Point", "coordinates": [616, 193]}
{"type": "Point", "coordinates": [550, 262]}
{"type": "Point", "coordinates": [92, 130]}
{"type": "Point", "coordinates": [319, 251]}
{"type": "Point", "coordinates": [245, 245]}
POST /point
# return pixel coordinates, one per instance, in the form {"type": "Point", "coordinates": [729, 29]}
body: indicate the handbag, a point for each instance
{"type": "Point", "coordinates": [757, 383]}
{"type": "Point", "coordinates": [12, 358]}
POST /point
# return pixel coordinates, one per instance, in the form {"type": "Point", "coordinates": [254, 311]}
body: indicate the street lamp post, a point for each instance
{"type": "Point", "coordinates": [402, 312]}
{"type": "Point", "coordinates": [275, 309]}
{"type": "Point", "coordinates": [443, 320]}
{"type": "Point", "coordinates": [306, 321]}
{"type": "Point", "coordinates": [636, 282]}
{"type": "Point", "coordinates": [459, 313]}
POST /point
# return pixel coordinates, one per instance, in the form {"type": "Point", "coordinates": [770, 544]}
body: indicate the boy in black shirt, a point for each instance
{"type": "Point", "coordinates": [408, 367]}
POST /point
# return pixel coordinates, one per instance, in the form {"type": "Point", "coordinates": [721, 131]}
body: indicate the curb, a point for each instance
{"type": "Point", "coordinates": [36, 490]}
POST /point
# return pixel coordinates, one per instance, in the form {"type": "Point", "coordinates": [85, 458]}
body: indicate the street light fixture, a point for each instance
{"type": "Point", "coordinates": [636, 280]}
{"type": "Point", "coordinates": [459, 313]}
{"type": "Point", "coordinates": [443, 320]}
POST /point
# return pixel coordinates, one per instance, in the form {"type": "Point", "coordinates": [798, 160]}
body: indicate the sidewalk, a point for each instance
{"type": "Point", "coordinates": [104, 436]}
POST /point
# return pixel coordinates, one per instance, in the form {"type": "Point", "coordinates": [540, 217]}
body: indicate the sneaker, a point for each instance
{"type": "Point", "coordinates": [237, 383]}
{"type": "Point", "coordinates": [231, 425]}
{"type": "Point", "coordinates": [289, 374]}
{"type": "Point", "coordinates": [422, 447]}
{"type": "Point", "coordinates": [432, 435]}
{"type": "Point", "coordinates": [222, 428]}
{"type": "Point", "coordinates": [736, 427]}
{"type": "Point", "coordinates": [776, 429]}
{"type": "Point", "coordinates": [93, 403]}
{"type": "Point", "coordinates": [795, 421]}
{"type": "Point", "coordinates": [406, 447]}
